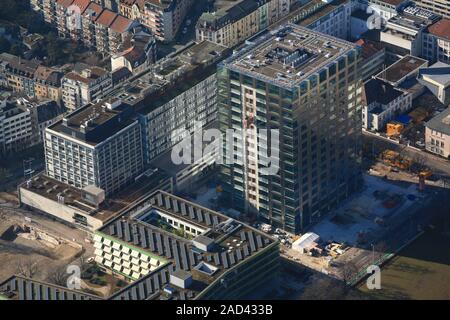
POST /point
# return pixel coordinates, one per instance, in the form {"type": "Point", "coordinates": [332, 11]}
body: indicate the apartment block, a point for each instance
{"type": "Point", "coordinates": [163, 18]}
{"type": "Point", "coordinates": [138, 54]}
{"type": "Point", "coordinates": [15, 126]}
{"type": "Point", "coordinates": [441, 7]}
{"type": "Point", "coordinates": [18, 74]}
{"type": "Point", "coordinates": [383, 102]}
{"type": "Point", "coordinates": [436, 42]}
{"type": "Point", "coordinates": [373, 58]}
{"type": "Point", "coordinates": [47, 84]}
{"type": "Point", "coordinates": [232, 22]}
{"type": "Point", "coordinates": [84, 85]}
{"type": "Point", "coordinates": [89, 22]}
{"type": "Point", "coordinates": [98, 144]}
{"type": "Point", "coordinates": [386, 9]}
{"type": "Point", "coordinates": [176, 96]}
{"type": "Point", "coordinates": [403, 34]}
{"type": "Point", "coordinates": [308, 86]}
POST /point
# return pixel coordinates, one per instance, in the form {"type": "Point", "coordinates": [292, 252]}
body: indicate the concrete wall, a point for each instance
{"type": "Point", "coordinates": [61, 211]}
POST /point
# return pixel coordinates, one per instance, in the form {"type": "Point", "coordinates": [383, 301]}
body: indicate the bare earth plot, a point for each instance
{"type": "Point", "coordinates": [38, 258]}
{"type": "Point", "coordinates": [420, 271]}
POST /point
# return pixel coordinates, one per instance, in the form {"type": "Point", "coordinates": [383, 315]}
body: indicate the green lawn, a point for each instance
{"type": "Point", "coordinates": [420, 271]}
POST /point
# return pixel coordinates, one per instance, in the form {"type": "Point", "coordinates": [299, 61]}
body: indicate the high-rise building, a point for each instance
{"type": "Point", "coordinates": [96, 145]}
{"type": "Point", "coordinates": [308, 86]}
{"type": "Point", "coordinates": [441, 7]}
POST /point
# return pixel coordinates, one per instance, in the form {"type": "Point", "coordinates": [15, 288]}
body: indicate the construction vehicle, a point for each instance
{"type": "Point", "coordinates": [394, 159]}
{"type": "Point", "coordinates": [394, 129]}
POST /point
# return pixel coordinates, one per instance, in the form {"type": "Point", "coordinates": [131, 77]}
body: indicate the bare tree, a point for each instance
{"type": "Point", "coordinates": [59, 276]}
{"type": "Point", "coordinates": [349, 272]}
{"type": "Point", "coordinates": [420, 161]}
{"type": "Point", "coordinates": [27, 269]}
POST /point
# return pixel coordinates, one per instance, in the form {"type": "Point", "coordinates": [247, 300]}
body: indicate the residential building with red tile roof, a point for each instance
{"type": "Point", "coordinates": [436, 42]}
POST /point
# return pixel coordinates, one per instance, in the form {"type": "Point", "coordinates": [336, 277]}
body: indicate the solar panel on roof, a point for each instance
{"type": "Point", "coordinates": [243, 237]}
{"type": "Point", "coordinates": [167, 202]}
{"type": "Point", "coordinates": [142, 293]}
{"type": "Point", "coordinates": [215, 220]}
{"type": "Point", "coordinates": [259, 241]}
{"type": "Point", "coordinates": [160, 199]}
{"type": "Point", "coordinates": [159, 243]}
{"type": "Point", "coordinates": [192, 214]}
{"type": "Point", "coordinates": [112, 229]}
{"type": "Point", "coordinates": [152, 201]}
{"type": "Point", "coordinates": [148, 285]}
{"type": "Point", "coordinates": [176, 255]}
{"type": "Point", "coordinates": [208, 258]}
{"type": "Point", "coordinates": [207, 218]}
{"type": "Point", "coordinates": [163, 276]}
{"type": "Point", "coordinates": [252, 241]}
{"type": "Point", "coordinates": [216, 259]}
{"type": "Point", "coordinates": [184, 257]}
{"type": "Point", "coordinates": [246, 252]}
{"type": "Point", "coordinates": [143, 237]}
{"type": "Point", "coordinates": [266, 241]}
{"type": "Point", "coordinates": [239, 255]}
{"type": "Point", "coordinates": [127, 231]}
{"type": "Point", "coordinates": [134, 293]}
{"type": "Point", "coordinates": [151, 240]}
{"type": "Point", "coordinates": [156, 282]}
{"type": "Point", "coordinates": [183, 209]}
{"type": "Point", "coordinates": [192, 259]}
{"type": "Point", "coordinates": [225, 260]}
{"type": "Point", "coordinates": [29, 292]}
{"type": "Point", "coordinates": [191, 210]}
{"type": "Point", "coordinates": [200, 215]}
{"type": "Point", "coordinates": [38, 292]}
{"type": "Point", "coordinates": [119, 229]}
{"type": "Point", "coordinates": [167, 247]}
{"type": "Point", "coordinates": [175, 205]}
{"type": "Point", "coordinates": [232, 259]}
{"type": "Point", "coordinates": [182, 295]}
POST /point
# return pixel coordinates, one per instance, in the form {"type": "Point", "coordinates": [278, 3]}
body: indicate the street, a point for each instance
{"type": "Point", "coordinates": [439, 166]}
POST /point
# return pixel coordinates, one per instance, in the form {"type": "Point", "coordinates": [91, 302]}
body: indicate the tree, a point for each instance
{"type": "Point", "coordinates": [59, 276]}
{"type": "Point", "coordinates": [27, 269]}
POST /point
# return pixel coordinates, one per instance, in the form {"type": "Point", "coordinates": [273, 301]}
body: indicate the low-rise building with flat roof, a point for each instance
{"type": "Point", "coordinates": [175, 249]}
{"type": "Point", "coordinates": [437, 134]}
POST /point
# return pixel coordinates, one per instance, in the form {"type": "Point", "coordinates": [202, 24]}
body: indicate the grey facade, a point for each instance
{"type": "Point", "coordinates": [316, 105]}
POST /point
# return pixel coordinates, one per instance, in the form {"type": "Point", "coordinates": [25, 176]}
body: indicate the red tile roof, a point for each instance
{"type": "Point", "coordinates": [106, 18]}
{"type": "Point", "coordinates": [82, 4]}
{"type": "Point", "coordinates": [64, 3]}
{"type": "Point", "coordinates": [441, 29]}
{"type": "Point", "coordinates": [369, 48]}
{"type": "Point", "coordinates": [121, 24]}
{"type": "Point", "coordinates": [94, 8]}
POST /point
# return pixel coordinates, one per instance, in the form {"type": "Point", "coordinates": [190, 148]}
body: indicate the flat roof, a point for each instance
{"type": "Point", "coordinates": [167, 79]}
{"type": "Point", "coordinates": [95, 122]}
{"type": "Point", "coordinates": [146, 184]}
{"type": "Point", "coordinates": [325, 10]}
{"type": "Point", "coordinates": [441, 122]}
{"type": "Point", "coordinates": [22, 288]}
{"type": "Point", "coordinates": [233, 242]}
{"type": "Point", "coordinates": [288, 55]}
{"type": "Point", "coordinates": [402, 68]}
